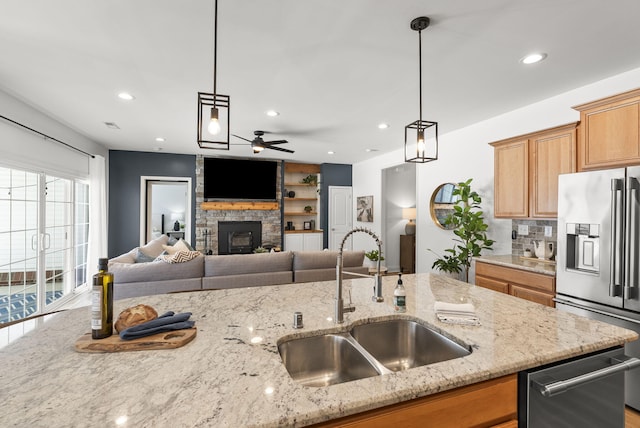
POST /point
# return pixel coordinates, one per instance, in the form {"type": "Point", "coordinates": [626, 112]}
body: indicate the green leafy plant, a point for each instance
{"type": "Point", "coordinates": [467, 223]}
{"type": "Point", "coordinates": [373, 255]}
{"type": "Point", "coordinates": [260, 250]}
{"type": "Point", "coordinates": [310, 179]}
{"type": "Point", "coordinates": [308, 209]}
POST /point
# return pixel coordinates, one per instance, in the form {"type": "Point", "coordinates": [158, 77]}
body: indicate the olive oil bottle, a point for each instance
{"type": "Point", "coordinates": [102, 302]}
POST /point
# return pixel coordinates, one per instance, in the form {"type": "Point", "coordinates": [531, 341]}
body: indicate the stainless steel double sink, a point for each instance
{"type": "Point", "coordinates": [366, 350]}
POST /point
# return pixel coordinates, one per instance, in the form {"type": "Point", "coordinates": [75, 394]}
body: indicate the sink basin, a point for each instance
{"type": "Point", "coordinates": [402, 344]}
{"type": "Point", "coordinates": [366, 350]}
{"type": "Point", "coordinates": [325, 360]}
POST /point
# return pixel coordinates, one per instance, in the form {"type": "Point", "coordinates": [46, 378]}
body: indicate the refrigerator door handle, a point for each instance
{"type": "Point", "coordinates": [617, 241]}
{"type": "Point", "coordinates": [631, 234]}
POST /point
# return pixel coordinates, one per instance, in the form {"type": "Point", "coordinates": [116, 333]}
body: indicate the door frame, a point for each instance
{"type": "Point", "coordinates": [144, 179]}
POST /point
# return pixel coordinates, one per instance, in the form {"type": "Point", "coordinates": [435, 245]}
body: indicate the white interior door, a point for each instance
{"type": "Point", "coordinates": [340, 216]}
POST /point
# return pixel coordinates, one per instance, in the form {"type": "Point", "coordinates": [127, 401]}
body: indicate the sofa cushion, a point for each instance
{"type": "Point", "coordinates": [238, 264]}
{"type": "Point", "coordinates": [154, 247]}
{"type": "Point", "coordinates": [247, 280]}
{"type": "Point", "coordinates": [303, 260]}
{"type": "Point", "coordinates": [156, 271]}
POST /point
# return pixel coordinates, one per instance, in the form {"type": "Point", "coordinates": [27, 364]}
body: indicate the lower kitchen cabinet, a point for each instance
{"type": "Point", "coordinates": [303, 241]}
{"type": "Point", "coordinates": [492, 403]}
{"type": "Point", "coordinates": [532, 286]}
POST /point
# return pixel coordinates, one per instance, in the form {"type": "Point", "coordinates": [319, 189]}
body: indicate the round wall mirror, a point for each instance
{"type": "Point", "coordinates": [442, 202]}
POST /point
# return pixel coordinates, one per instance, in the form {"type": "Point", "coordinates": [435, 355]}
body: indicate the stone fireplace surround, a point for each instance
{"type": "Point", "coordinates": [207, 220]}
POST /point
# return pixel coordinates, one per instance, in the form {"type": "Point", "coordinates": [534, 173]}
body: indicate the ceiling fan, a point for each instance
{"type": "Point", "coordinates": [258, 144]}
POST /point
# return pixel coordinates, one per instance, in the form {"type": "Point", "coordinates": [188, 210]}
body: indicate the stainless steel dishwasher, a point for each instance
{"type": "Point", "coordinates": [583, 392]}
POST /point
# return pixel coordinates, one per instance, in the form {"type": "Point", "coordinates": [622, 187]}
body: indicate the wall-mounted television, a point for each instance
{"type": "Point", "coordinates": [228, 179]}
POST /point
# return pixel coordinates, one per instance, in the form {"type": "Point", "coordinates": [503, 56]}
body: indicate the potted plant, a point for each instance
{"type": "Point", "coordinates": [310, 179]}
{"type": "Point", "coordinates": [308, 209]}
{"type": "Point", "coordinates": [260, 250]}
{"type": "Point", "coordinates": [467, 222]}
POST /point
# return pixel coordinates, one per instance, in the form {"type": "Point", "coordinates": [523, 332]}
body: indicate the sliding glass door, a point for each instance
{"type": "Point", "coordinates": [43, 236]}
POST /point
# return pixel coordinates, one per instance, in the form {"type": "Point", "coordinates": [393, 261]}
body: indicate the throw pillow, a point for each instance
{"type": "Point", "coordinates": [141, 257]}
{"type": "Point", "coordinates": [180, 256]}
{"type": "Point", "coordinates": [181, 245]}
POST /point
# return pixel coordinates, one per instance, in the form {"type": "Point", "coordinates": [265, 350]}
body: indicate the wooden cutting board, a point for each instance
{"type": "Point", "coordinates": [166, 340]}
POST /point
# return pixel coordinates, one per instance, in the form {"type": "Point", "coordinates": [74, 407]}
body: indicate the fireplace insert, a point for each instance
{"type": "Point", "coordinates": [239, 237]}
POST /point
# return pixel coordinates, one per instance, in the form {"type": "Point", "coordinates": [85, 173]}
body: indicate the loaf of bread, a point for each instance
{"type": "Point", "coordinates": [135, 315]}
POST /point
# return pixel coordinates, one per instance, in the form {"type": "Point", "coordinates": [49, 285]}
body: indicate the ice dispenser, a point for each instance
{"type": "Point", "coordinates": [583, 252]}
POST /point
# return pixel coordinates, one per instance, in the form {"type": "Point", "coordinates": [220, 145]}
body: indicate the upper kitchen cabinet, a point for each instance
{"type": "Point", "coordinates": [511, 178]}
{"type": "Point", "coordinates": [526, 171]}
{"type": "Point", "coordinates": [609, 134]}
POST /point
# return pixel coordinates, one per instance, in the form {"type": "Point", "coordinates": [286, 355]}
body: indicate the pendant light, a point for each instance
{"type": "Point", "coordinates": [213, 109]}
{"type": "Point", "coordinates": [421, 136]}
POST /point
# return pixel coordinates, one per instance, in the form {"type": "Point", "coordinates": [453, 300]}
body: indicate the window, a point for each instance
{"type": "Point", "coordinates": [43, 241]}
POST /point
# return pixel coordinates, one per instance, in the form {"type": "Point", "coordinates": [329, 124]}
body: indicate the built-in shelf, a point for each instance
{"type": "Point", "coordinates": [312, 213]}
{"type": "Point", "coordinates": [304, 231]}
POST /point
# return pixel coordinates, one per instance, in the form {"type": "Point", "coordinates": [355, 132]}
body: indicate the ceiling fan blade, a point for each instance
{"type": "Point", "coordinates": [276, 142]}
{"type": "Point", "coordinates": [242, 138]}
{"type": "Point", "coordinates": [280, 149]}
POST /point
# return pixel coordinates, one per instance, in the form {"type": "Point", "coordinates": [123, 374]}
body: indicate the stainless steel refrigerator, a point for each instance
{"type": "Point", "coordinates": [598, 255]}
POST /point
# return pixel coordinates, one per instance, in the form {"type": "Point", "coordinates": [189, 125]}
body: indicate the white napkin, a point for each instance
{"type": "Point", "coordinates": [456, 313]}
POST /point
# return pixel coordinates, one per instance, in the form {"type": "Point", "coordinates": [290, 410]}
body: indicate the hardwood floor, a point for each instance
{"type": "Point", "coordinates": [631, 418]}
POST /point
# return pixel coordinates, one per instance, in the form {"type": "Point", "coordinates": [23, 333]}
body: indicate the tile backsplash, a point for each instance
{"type": "Point", "coordinates": [536, 233]}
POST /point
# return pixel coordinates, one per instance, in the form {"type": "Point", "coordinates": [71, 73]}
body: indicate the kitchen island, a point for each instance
{"type": "Point", "coordinates": [231, 374]}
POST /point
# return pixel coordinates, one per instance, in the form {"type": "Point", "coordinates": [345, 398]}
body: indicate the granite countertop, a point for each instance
{"type": "Point", "coordinates": [531, 264]}
{"type": "Point", "coordinates": [227, 377]}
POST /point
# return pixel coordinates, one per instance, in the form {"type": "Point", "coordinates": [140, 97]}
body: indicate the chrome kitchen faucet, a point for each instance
{"type": "Point", "coordinates": [377, 297]}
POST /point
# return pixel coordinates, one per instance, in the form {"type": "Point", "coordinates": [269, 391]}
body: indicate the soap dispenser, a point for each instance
{"type": "Point", "coordinates": [399, 296]}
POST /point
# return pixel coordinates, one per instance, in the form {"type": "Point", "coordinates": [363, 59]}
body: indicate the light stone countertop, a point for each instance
{"type": "Point", "coordinates": [530, 264]}
{"type": "Point", "coordinates": [222, 379]}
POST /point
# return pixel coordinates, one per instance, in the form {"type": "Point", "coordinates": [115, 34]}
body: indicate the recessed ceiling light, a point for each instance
{"type": "Point", "coordinates": [331, 152]}
{"type": "Point", "coordinates": [383, 125]}
{"type": "Point", "coordinates": [126, 96]}
{"type": "Point", "coordinates": [272, 113]}
{"type": "Point", "coordinates": [160, 139]}
{"type": "Point", "coordinates": [533, 58]}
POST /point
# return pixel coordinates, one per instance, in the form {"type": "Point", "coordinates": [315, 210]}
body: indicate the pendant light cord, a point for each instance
{"type": "Point", "coordinates": [215, 45]}
{"type": "Point", "coordinates": [420, 73]}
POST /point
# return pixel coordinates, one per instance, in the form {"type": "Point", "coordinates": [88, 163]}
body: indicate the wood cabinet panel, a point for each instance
{"type": "Point", "coordinates": [610, 134]}
{"type": "Point", "coordinates": [511, 179]}
{"type": "Point", "coordinates": [492, 284]}
{"type": "Point", "coordinates": [526, 171]}
{"type": "Point", "coordinates": [532, 286]}
{"type": "Point", "coordinates": [532, 295]}
{"type": "Point", "coordinates": [489, 403]}
{"type": "Point", "coordinates": [408, 253]}
{"type": "Point", "coordinates": [551, 154]}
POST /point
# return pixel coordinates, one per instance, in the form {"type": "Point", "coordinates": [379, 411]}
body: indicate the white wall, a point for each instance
{"type": "Point", "coordinates": [465, 153]}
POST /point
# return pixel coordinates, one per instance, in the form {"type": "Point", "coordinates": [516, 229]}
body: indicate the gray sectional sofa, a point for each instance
{"type": "Point", "coordinates": [133, 278]}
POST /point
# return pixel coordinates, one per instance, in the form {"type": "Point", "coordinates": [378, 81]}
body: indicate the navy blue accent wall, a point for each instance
{"type": "Point", "coordinates": [331, 174]}
{"type": "Point", "coordinates": [125, 170]}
